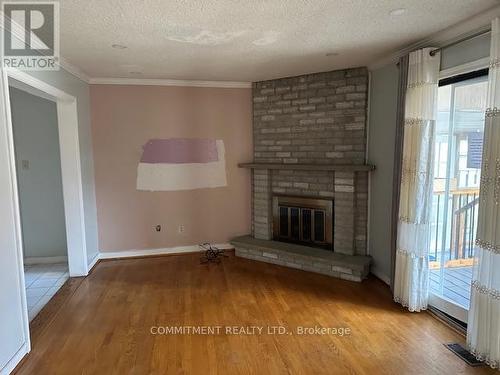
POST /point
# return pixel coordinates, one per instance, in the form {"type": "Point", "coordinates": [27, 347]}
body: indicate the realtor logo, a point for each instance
{"type": "Point", "coordinates": [30, 35]}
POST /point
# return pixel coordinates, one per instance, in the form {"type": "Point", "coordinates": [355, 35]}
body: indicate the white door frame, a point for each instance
{"type": "Point", "coordinates": [67, 119]}
{"type": "Point", "coordinates": [72, 190]}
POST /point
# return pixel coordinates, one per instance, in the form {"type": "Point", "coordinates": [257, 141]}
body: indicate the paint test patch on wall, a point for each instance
{"type": "Point", "coordinates": [181, 164]}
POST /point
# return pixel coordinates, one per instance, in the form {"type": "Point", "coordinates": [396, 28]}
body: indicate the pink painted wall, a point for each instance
{"type": "Point", "coordinates": [123, 119]}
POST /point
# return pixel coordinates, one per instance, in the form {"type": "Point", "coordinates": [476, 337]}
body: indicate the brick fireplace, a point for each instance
{"type": "Point", "coordinates": [309, 135]}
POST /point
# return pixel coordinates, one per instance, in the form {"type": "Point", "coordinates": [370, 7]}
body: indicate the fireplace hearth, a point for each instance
{"type": "Point", "coordinates": [306, 221]}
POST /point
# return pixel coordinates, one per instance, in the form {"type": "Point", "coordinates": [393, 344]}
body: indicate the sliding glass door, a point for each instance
{"type": "Point", "coordinates": [457, 173]}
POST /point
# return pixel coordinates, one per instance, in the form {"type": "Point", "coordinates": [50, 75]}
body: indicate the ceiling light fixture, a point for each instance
{"type": "Point", "coordinates": [397, 12]}
{"type": "Point", "coordinates": [118, 46]}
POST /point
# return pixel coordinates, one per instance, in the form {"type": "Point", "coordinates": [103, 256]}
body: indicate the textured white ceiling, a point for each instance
{"type": "Point", "coordinates": [244, 40]}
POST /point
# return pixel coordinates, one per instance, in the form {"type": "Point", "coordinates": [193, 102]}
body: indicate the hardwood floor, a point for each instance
{"type": "Point", "coordinates": [105, 325]}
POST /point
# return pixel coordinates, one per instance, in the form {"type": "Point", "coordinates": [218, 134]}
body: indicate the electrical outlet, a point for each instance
{"type": "Point", "coordinates": [181, 228]}
{"type": "Point", "coordinates": [158, 228]}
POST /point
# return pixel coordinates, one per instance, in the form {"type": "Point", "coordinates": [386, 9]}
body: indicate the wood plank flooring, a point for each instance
{"type": "Point", "coordinates": [105, 325]}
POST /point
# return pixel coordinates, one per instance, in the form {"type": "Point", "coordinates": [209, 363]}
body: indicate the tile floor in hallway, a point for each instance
{"type": "Point", "coordinates": [42, 282]}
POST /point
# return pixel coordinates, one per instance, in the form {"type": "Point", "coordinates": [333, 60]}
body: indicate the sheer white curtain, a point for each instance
{"type": "Point", "coordinates": [483, 332]}
{"type": "Point", "coordinates": [411, 281]}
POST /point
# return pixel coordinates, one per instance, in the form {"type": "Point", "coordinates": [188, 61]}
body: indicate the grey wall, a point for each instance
{"type": "Point", "coordinates": [381, 139]}
{"type": "Point", "coordinates": [36, 140]}
{"type": "Point", "coordinates": [466, 52]}
{"type": "Point", "coordinates": [80, 89]}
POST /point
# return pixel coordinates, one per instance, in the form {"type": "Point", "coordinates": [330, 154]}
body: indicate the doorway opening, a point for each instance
{"type": "Point", "coordinates": [40, 192]}
{"type": "Point", "coordinates": [72, 192]}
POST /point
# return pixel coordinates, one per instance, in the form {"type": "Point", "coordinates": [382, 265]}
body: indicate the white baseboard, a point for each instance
{"type": "Point", "coordinates": [162, 251]}
{"type": "Point", "coordinates": [94, 260]}
{"type": "Point", "coordinates": [45, 260]}
{"type": "Point", "coordinates": [14, 361]}
{"type": "Point", "coordinates": [386, 279]}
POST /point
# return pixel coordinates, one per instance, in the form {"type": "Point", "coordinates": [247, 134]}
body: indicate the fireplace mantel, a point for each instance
{"type": "Point", "coordinates": [311, 167]}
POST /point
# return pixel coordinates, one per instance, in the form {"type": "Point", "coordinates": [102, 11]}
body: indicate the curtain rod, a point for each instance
{"type": "Point", "coordinates": [434, 51]}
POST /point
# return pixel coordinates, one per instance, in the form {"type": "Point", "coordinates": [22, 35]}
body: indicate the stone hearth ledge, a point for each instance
{"type": "Point", "coordinates": [347, 267]}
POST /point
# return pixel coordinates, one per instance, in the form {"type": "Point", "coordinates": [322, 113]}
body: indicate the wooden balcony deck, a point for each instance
{"type": "Point", "coordinates": [456, 286]}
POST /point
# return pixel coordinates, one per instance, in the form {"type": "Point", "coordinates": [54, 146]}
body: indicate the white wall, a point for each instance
{"type": "Point", "coordinates": [36, 143]}
{"type": "Point", "coordinates": [383, 107]}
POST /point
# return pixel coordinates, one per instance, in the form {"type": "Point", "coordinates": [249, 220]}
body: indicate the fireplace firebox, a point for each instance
{"type": "Point", "coordinates": [307, 221]}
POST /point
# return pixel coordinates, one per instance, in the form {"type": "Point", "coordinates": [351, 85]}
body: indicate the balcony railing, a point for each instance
{"type": "Point", "coordinates": [454, 233]}
{"type": "Point", "coordinates": [454, 227]}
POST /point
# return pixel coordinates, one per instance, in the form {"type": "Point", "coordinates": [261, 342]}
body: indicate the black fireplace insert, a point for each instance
{"type": "Point", "coordinates": [307, 221]}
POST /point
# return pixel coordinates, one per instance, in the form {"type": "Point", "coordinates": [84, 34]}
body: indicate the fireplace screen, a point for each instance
{"type": "Point", "coordinates": [306, 221]}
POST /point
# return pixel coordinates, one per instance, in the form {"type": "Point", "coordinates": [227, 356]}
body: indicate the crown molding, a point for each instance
{"type": "Point", "coordinates": [73, 69]}
{"type": "Point", "coordinates": [463, 29]}
{"type": "Point", "coordinates": [79, 73]}
{"type": "Point", "coordinates": [169, 82]}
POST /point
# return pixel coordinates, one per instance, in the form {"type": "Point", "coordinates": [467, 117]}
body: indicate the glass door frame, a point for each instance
{"type": "Point", "coordinates": [441, 302]}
